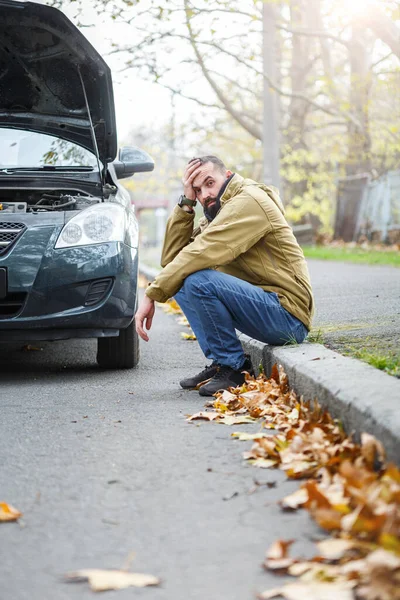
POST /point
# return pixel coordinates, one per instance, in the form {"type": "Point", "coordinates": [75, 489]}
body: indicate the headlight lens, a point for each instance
{"type": "Point", "coordinates": [98, 227]}
{"type": "Point", "coordinates": [94, 225]}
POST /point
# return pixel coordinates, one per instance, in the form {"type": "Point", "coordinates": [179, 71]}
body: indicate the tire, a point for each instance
{"type": "Point", "coordinates": [120, 352]}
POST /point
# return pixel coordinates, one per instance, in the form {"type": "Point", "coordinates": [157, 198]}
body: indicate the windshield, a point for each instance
{"type": "Point", "coordinates": [30, 149]}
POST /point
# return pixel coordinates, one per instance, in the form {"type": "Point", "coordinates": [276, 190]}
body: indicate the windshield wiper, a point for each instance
{"type": "Point", "coordinates": [11, 170]}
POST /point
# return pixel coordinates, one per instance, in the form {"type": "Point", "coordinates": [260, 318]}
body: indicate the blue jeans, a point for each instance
{"type": "Point", "coordinates": [215, 304]}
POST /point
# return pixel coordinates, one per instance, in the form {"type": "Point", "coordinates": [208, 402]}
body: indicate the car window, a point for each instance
{"type": "Point", "coordinates": [20, 148]}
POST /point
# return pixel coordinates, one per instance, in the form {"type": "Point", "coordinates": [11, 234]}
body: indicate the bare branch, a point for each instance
{"type": "Point", "coordinates": [197, 11]}
{"type": "Point", "coordinates": [254, 131]}
{"type": "Point", "coordinates": [193, 99]}
{"type": "Point", "coordinates": [285, 93]}
{"type": "Point", "coordinates": [381, 60]}
{"type": "Point", "coordinates": [310, 33]}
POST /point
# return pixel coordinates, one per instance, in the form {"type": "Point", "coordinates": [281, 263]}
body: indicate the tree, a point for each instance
{"type": "Point", "coordinates": [333, 82]}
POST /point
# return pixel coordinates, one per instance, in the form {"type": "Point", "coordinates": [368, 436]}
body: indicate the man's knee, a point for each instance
{"type": "Point", "coordinates": [195, 281]}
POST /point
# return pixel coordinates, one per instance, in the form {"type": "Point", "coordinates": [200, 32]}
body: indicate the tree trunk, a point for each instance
{"type": "Point", "coordinates": [298, 73]}
{"type": "Point", "coordinates": [359, 141]}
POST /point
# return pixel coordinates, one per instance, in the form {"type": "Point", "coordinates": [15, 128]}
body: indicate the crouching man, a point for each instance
{"type": "Point", "coordinates": [241, 268]}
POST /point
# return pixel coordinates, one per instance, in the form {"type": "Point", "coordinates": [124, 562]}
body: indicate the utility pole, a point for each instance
{"type": "Point", "coordinates": [270, 97]}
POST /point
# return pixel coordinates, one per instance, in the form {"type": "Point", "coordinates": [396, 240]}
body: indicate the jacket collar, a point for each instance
{"type": "Point", "coordinates": [233, 186]}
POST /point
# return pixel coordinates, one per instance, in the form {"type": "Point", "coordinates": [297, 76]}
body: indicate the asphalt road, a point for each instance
{"type": "Point", "coordinates": [103, 464]}
{"type": "Point", "coordinates": [357, 306]}
{"type": "Point", "coordinates": [366, 296]}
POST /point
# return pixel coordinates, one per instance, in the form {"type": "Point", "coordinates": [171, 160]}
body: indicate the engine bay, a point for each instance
{"type": "Point", "coordinates": [34, 201]}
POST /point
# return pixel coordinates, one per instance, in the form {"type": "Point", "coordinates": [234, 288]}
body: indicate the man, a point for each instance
{"type": "Point", "coordinates": [241, 268]}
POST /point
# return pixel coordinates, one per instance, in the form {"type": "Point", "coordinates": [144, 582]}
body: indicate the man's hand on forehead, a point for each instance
{"type": "Point", "coordinates": [192, 170]}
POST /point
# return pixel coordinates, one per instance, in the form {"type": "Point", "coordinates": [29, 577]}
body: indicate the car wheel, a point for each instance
{"type": "Point", "coordinates": [120, 352]}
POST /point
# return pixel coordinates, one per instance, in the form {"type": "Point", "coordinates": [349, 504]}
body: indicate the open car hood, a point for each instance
{"type": "Point", "coordinates": [43, 60]}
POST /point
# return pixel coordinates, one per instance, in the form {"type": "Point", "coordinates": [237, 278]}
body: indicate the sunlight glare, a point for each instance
{"type": "Point", "coordinates": [358, 7]}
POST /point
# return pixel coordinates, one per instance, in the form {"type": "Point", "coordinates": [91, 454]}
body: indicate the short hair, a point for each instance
{"type": "Point", "coordinates": [215, 160]}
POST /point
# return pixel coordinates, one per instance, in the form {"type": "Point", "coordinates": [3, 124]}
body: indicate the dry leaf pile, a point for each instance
{"type": "Point", "coordinates": [349, 490]}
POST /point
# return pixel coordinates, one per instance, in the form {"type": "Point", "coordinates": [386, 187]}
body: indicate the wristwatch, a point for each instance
{"type": "Point", "coordinates": [186, 201]}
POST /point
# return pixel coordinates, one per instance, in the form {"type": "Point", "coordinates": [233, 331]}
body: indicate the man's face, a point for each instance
{"type": "Point", "coordinates": [208, 183]}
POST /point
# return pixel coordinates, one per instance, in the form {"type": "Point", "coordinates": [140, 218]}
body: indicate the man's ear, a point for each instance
{"type": "Point", "coordinates": [228, 174]}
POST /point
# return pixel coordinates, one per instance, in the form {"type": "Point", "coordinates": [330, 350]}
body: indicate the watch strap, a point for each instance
{"type": "Point", "coordinates": [186, 201]}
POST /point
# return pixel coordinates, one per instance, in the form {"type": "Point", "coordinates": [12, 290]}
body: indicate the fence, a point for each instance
{"type": "Point", "coordinates": [369, 209]}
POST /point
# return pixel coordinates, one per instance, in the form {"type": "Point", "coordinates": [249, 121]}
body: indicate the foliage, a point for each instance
{"type": "Point", "coordinates": [337, 81]}
{"type": "Point", "coordinates": [349, 489]}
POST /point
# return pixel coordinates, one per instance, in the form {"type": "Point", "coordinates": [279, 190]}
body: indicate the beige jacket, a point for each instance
{"type": "Point", "coordinates": [249, 239]}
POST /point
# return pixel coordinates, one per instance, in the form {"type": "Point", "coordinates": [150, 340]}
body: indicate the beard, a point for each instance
{"type": "Point", "coordinates": [211, 211]}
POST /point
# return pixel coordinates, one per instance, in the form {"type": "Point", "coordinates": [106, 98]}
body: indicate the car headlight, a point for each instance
{"type": "Point", "coordinates": [94, 225]}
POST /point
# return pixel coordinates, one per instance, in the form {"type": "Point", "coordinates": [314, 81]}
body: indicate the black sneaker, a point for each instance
{"type": "Point", "coordinates": [192, 382]}
{"type": "Point", "coordinates": [225, 378]}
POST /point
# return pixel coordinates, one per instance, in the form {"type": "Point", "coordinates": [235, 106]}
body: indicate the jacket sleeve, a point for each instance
{"type": "Point", "coordinates": [178, 233]}
{"type": "Point", "coordinates": [238, 226]}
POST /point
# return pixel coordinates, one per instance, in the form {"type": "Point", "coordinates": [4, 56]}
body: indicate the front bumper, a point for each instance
{"type": "Point", "coordinates": [55, 289]}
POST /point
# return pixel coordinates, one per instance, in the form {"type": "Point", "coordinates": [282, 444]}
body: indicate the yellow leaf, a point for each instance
{"type": "Point", "coordinates": [188, 336]}
{"type": "Point", "coordinates": [390, 542]}
{"type": "Point", "coordinates": [8, 513]}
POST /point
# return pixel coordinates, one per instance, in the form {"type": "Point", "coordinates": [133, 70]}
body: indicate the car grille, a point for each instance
{"type": "Point", "coordinates": [9, 233]}
{"type": "Point", "coordinates": [12, 304]}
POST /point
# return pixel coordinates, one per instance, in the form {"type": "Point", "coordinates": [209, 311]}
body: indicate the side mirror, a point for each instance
{"type": "Point", "coordinates": [132, 160]}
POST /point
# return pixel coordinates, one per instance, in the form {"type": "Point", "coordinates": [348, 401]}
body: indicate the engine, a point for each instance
{"type": "Point", "coordinates": [23, 201]}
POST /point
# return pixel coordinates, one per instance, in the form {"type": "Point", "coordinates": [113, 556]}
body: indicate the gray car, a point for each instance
{"type": "Point", "coordinates": [68, 232]}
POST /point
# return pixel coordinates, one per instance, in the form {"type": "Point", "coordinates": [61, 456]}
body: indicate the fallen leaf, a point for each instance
{"type": "Point", "coordinates": [233, 420]}
{"type": "Point", "coordinates": [327, 518]}
{"type": "Point", "coordinates": [295, 500]}
{"type": "Point", "coordinates": [279, 549]}
{"type": "Point", "coordinates": [262, 463]}
{"type": "Point", "coordinates": [245, 437]}
{"type": "Point", "coordinates": [8, 513]}
{"type": "Point", "coordinates": [334, 549]}
{"type": "Point", "coordinates": [371, 450]}
{"type": "Point", "coordinates": [101, 580]}
{"type": "Point", "coordinates": [188, 336]}
{"type": "Point", "coordinates": [311, 591]}
{"type": "Point", "coordinates": [206, 416]}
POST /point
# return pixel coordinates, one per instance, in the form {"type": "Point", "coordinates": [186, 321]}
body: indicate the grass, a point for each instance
{"type": "Point", "coordinates": [355, 255]}
{"type": "Point", "coordinates": [315, 336]}
{"type": "Point", "coordinates": [388, 362]}
{"type": "Point", "coordinates": [381, 353]}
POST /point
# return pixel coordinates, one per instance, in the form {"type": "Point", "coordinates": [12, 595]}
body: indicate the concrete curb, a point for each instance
{"type": "Point", "coordinates": [362, 397]}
